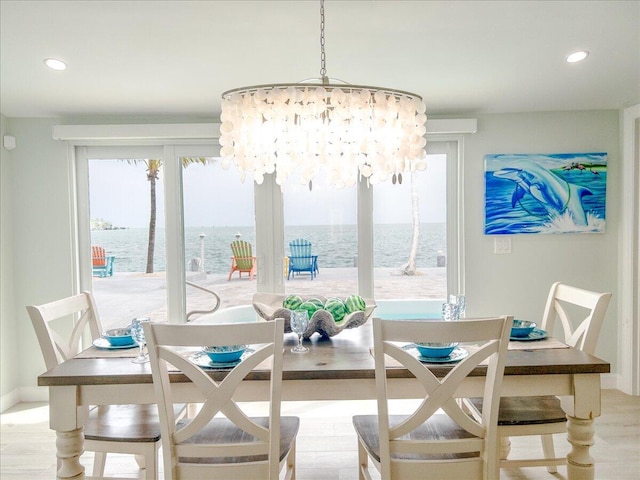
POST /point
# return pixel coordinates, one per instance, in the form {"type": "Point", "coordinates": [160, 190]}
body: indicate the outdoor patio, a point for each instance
{"type": "Point", "coordinates": [127, 295]}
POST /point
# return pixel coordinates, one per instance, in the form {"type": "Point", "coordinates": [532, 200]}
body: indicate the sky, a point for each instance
{"type": "Point", "coordinates": [119, 194]}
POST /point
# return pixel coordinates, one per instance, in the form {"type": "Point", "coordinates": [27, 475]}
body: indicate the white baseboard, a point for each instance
{"type": "Point", "coordinates": [10, 399]}
{"type": "Point", "coordinates": [609, 381]}
{"type": "Point", "coordinates": [34, 394]}
{"type": "Point", "coordinates": [24, 394]}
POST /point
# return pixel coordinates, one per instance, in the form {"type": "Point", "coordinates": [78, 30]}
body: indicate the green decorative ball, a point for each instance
{"type": "Point", "coordinates": [292, 302]}
{"type": "Point", "coordinates": [355, 303]}
{"type": "Point", "coordinates": [317, 302]}
{"type": "Point", "coordinates": [336, 308]}
{"type": "Point", "coordinates": [311, 308]}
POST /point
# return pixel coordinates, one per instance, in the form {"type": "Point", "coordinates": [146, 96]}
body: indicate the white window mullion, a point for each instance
{"type": "Point", "coordinates": [269, 220]}
{"type": "Point", "coordinates": [365, 239]}
{"type": "Point", "coordinates": [83, 240]}
{"type": "Point", "coordinates": [174, 236]}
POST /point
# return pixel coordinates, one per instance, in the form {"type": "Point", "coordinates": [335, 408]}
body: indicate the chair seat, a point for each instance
{"type": "Point", "coordinates": [222, 430]}
{"type": "Point", "coordinates": [438, 427]}
{"type": "Point", "coordinates": [527, 410]}
{"type": "Point", "coordinates": [123, 423]}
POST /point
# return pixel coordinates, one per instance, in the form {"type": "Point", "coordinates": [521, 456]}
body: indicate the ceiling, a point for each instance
{"type": "Point", "coordinates": [175, 58]}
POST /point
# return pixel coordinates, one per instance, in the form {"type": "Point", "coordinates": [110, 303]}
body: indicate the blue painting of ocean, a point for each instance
{"type": "Point", "coordinates": [336, 246]}
{"type": "Point", "coordinates": [545, 193]}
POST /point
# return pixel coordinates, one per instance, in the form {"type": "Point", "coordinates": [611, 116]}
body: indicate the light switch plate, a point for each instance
{"type": "Point", "coordinates": [502, 245]}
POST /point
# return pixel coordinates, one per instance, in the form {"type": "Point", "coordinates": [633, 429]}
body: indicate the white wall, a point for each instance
{"type": "Point", "coordinates": [9, 377]}
{"type": "Point", "coordinates": [41, 228]}
{"type": "Point", "coordinates": [516, 284]}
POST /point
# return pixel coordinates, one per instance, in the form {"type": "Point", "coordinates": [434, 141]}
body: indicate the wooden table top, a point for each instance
{"type": "Point", "coordinates": [344, 356]}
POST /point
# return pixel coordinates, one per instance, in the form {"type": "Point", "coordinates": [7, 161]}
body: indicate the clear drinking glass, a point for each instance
{"type": "Point", "coordinates": [137, 333]}
{"type": "Point", "coordinates": [299, 324]}
{"type": "Point", "coordinates": [461, 302]}
{"type": "Point", "coordinates": [450, 312]}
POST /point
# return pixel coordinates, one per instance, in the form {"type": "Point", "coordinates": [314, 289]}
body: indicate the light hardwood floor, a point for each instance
{"type": "Point", "coordinates": [327, 443]}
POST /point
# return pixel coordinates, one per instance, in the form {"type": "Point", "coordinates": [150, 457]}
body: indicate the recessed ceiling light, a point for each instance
{"type": "Point", "coordinates": [577, 56]}
{"type": "Point", "coordinates": [55, 64]}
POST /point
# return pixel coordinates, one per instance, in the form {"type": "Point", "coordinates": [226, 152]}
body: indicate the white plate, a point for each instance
{"type": "Point", "coordinates": [458, 354]}
{"type": "Point", "coordinates": [536, 334]}
{"type": "Point", "coordinates": [202, 360]}
{"type": "Point", "coordinates": [104, 343]}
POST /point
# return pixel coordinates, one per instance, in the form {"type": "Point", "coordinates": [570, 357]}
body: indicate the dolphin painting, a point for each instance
{"type": "Point", "coordinates": [554, 193]}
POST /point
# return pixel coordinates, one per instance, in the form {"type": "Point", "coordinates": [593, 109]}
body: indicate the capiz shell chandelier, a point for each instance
{"type": "Point", "coordinates": [346, 130]}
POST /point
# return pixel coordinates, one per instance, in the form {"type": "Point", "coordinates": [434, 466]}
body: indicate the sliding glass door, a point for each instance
{"type": "Point", "coordinates": [388, 241]}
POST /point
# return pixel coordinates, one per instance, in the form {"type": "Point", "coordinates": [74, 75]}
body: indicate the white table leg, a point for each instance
{"type": "Point", "coordinates": [581, 409]}
{"type": "Point", "coordinates": [69, 448]}
{"type": "Point", "coordinates": [580, 463]}
{"type": "Point", "coordinates": [66, 419]}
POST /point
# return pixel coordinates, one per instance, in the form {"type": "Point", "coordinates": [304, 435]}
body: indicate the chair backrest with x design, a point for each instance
{"type": "Point", "coordinates": [133, 429]}
{"type": "Point", "coordinates": [490, 338]}
{"type": "Point", "coordinates": [189, 448]}
{"type": "Point", "coordinates": [82, 313]}
{"type": "Point", "coordinates": [562, 302]}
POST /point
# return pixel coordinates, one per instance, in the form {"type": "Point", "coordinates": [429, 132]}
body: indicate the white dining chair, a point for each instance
{"type": "Point", "coordinates": [128, 429]}
{"type": "Point", "coordinates": [581, 313]}
{"type": "Point", "coordinates": [221, 440]}
{"type": "Point", "coordinates": [438, 440]}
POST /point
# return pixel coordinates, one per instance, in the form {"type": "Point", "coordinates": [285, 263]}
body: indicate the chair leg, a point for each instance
{"type": "Point", "coordinates": [363, 461]}
{"type": "Point", "coordinates": [291, 463]}
{"type": "Point", "coordinates": [504, 447]}
{"type": "Point", "coordinates": [99, 461]}
{"type": "Point", "coordinates": [141, 461]}
{"type": "Point", "coordinates": [151, 462]}
{"type": "Point", "coordinates": [549, 451]}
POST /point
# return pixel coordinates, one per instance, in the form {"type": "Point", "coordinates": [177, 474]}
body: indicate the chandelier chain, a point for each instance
{"type": "Point", "coordinates": [323, 57]}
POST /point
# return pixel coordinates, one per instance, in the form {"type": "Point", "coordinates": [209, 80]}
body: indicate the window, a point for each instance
{"type": "Point", "coordinates": [417, 207]}
{"type": "Point", "coordinates": [218, 209]}
{"type": "Point", "coordinates": [126, 219]}
{"type": "Point", "coordinates": [326, 217]}
{"type": "Point", "coordinates": [201, 208]}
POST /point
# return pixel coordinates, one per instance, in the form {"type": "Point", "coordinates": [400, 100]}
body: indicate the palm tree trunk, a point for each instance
{"type": "Point", "coordinates": [152, 224]}
{"type": "Point", "coordinates": [409, 268]}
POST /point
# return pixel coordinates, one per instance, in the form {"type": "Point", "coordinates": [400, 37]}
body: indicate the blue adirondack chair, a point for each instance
{"type": "Point", "coordinates": [301, 259]}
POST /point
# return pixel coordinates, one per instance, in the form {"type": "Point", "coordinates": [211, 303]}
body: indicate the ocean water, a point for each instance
{"type": "Point", "coordinates": [336, 246]}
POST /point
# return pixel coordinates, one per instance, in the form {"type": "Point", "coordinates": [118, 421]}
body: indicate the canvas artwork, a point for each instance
{"type": "Point", "coordinates": [545, 193]}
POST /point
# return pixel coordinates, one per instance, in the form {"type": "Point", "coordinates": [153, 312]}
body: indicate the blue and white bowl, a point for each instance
{"type": "Point", "coordinates": [436, 350]}
{"type": "Point", "coordinates": [118, 337]}
{"type": "Point", "coordinates": [225, 353]}
{"type": "Point", "coordinates": [522, 328]}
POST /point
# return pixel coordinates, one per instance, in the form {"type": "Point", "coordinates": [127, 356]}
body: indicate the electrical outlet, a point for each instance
{"type": "Point", "coordinates": [502, 245]}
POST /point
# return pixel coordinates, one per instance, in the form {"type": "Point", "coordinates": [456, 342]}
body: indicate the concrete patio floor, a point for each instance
{"type": "Point", "coordinates": [127, 295]}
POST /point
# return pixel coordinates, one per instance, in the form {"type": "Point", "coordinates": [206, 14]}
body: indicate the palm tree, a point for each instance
{"type": "Point", "coordinates": [409, 268]}
{"type": "Point", "coordinates": [153, 174]}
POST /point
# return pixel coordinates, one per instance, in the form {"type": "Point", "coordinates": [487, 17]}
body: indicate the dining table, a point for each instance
{"type": "Point", "coordinates": [335, 368]}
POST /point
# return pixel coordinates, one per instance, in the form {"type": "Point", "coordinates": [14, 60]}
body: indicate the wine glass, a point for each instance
{"type": "Point", "coordinates": [299, 324]}
{"type": "Point", "coordinates": [137, 333]}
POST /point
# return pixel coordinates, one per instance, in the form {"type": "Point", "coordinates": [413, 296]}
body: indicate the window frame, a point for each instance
{"type": "Point", "coordinates": [173, 141]}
